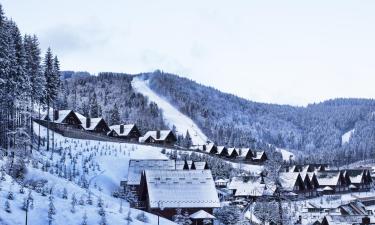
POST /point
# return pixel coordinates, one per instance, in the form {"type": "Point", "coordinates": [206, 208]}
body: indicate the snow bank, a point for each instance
{"type": "Point", "coordinates": [171, 115]}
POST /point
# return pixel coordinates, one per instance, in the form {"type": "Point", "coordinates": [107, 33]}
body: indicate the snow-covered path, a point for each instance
{"type": "Point", "coordinates": [172, 116]}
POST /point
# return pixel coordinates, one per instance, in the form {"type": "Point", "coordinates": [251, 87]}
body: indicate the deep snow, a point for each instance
{"type": "Point", "coordinates": [171, 115]}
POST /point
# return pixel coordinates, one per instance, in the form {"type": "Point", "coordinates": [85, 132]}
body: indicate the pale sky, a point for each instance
{"type": "Point", "coordinates": [287, 52]}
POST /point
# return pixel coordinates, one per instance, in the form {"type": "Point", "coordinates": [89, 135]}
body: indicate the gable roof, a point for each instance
{"type": "Point", "coordinates": [127, 129]}
{"type": "Point", "coordinates": [288, 180]}
{"type": "Point", "coordinates": [328, 178]}
{"type": "Point", "coordinates": [181, 189]}
{"type": "Point", "coordinates": [201, 214]}
{"type": "Point", "coordinates": [252, 187]}
{"type": "Point", "coordinates": [93, 121]}
{"type": "Point", "coordinates": [163, 135]}
{"type": "Point", "coordinates": [258, 155]}
{"type": "Point", "coordinates": [136, 167]}
{"type": "Point", "coordinates": [355, 176]}
{"type": "Point", "coordinates": [62, 115]}
{"type": "Point", "coordinates": [232, 150]}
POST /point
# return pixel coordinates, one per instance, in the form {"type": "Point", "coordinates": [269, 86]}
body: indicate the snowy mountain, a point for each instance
{"type": "Point", "coordinates": [171, 115]}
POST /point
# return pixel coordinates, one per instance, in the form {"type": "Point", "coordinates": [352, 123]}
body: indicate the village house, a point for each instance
{"type": "Point", "coordinates": [311, 184]}
{"type": "Point", "coordinates": [358, 179]}
{"type": "Point", "coordinates": [331, 182]}
{"type": "Point", "coordinates": [66, 117]}
{"type": "Point", "coordinates": [259, 157]}
{"type": "Point", "coordinates": [233, 153]}
{"type": "Point", "coordinates": [222, 151]}
{"type": "Point", "coordinates": [125, 131]}
{"type": "Point", "coordinates": [246, 154]}
{"type": "Point", "coordinates": [306, 168]}
{"type": "Point", "coordinates": [210, 148]}
{"type": "Point", "coordinates": [162, 192]}
{"type": "Point", "coordinates": [136, 167]}
{"type": "Point", "coordinates": [292, 184]}
{"type": "Point", "coordinates": [163, 137]}
{"type": "Point", "coordinates": [252, 187]}
{"type": "Point", "coordinates": [97, 125]}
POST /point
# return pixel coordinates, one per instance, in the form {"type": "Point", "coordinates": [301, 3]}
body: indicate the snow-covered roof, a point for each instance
{"type": "Point", "coordinates": [136, 167]}
{"type": "Point", "coordinates": [163, 135]}
{"type": "Point", "coordinates": [220, 149]}
{"type": "Point", "coordinates": [251, 187]}
{"type": "Point", "coordinates": [93, 121]}
{"type": "Point", "coordinates": [288, 180]}
{"type": "Point", "coordinates": [244, 151]}
{"type": "Point", "coordinates": [200, 165]}
{"type": "Point", "coordinates": [181, 189]}
{"type": "Point", "coordinates": [328, 178]}
{"type": "Point", "coordinates": [201, 214]}
{"type": "Point", "coordinates": [355, 176]}
{"type": "Point", "coordinates": [62, 115]}
{"type": "Point", "coordinates": [231, 150]}
{"type": "Point", "coordinates": [127, 129]}
{"type": "Point", "coordinates": [258, 155]}
{"type": "Point", "coordinates": [346, 220]}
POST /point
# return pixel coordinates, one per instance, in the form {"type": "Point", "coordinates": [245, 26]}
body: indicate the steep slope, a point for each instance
{"type": "Point", "coordinates": [171, 115]}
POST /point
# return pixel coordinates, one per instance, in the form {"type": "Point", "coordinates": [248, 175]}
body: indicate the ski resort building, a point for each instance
{"type": "Point", "coordinates": [125, 131]}
{"type": "Point", "coordinates": [163, 137]}
{"type": "Point", "coordinates": [164, 191]}
{"type": "Point", "coordinates": [292, 184]}
{"type": "Point", "coordinates": [331, 182]}
{"type": "Point", "coordinates": [358, 179]}
{"type": "Point", "coordinates": [65, 117]}
{"type": "Point", "coordinates": [97, 125]}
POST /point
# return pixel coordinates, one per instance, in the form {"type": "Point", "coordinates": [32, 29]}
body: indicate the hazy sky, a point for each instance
{"type": "Point", "coordinates": [293, 52]}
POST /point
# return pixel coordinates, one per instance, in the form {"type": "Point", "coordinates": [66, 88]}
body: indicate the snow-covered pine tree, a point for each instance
{"type": "Point", "coordinates": [94, 107]}
{"type": "Point", "coordinates": [73, 204]}
{"type": "Point", "coordinates": [115, 115]}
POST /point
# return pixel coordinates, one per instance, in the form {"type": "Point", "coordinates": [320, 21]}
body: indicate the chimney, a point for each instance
{"type": "Point", "coordinates": [158, 134]}
{"type": "Point", "coordinates": [88, 122]}
{"type": "Point", "coordinates": [121, 128]}
{"type": "Point", "coordinates": [365, 220]}
{"type": "Point", "coordinates": [55, 115]}
{"type": "Point", "coordinates": [204, 148]}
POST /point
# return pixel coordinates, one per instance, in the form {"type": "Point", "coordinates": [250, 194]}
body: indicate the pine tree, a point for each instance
{"type": "Point", "coordinates": [115, 115]}
{"type": "Point", "coordinates": [94, 107]}
{"type": "Point", "coordinates": [51, 210]}
{"type": "Point", "coordinates": [187, 140]}
{"type": "Point", "coordinates": [7, 207]}
{"type": "Point", "coordinates": [73, 203]}
{"type": "Point", "coordinates": [65, 194]}
{"type": "Point", "coordinates": [84, 219]}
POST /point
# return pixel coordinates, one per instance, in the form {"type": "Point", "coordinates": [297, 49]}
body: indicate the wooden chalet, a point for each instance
{"type": "Point", "coordinates": [97, 125]}
{"type": "Point", "coordinates": [311, 184]}
{"type": "Point", "coordinates": [259, 157]}
{"type": "Point", "coordinates": [246, 154]}
{"type": "Point", "coordinates": [292, 184]}
{"type": "Point", "coordinates": [164, 137]}
{"type": "Point", "coordinates": [331, 182]}
{"type": "Point", "coordinates": [307, 168]}
{"type": "Point", "coordinates": [210, 148]}
{"type": "Point", "coordinates": [162, 192]}
{"type": "Point", "coordinates": [358, 179]}
{"type": "Point", "coordinates": [136, 167]}
{"type": "Point", "coordinates": [250, 187]}
{"type": "Point", "coordinates": [67, 117]}
{"type": "Point", "coordinates": [222, 151]}
{"type": "Point", "coordinates": [125, 131]}
{"type": "Point", "coordinates": [233, 153]}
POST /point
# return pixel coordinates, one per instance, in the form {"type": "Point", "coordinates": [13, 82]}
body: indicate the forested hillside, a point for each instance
{"type": "Point", "coordinates": [111, 96]}
{"type": "Point", "coordinates": [316, 129]}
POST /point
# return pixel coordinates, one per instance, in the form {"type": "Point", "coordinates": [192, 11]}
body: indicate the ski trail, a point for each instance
{"type": "Point", "coordinates": [171, 115]}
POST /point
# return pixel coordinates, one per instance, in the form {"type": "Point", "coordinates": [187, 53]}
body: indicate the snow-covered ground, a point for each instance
{"type": "Point", "coordinates": [106, 164]}
{"type": "Point", "coordinates": [172, 116]}
{"type": "Point", "coordinates": [345, 138]}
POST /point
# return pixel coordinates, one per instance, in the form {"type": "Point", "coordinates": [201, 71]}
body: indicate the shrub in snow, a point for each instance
{"type": "Point", "coordinates": [65, 194]}
{"type": "Point", "coordinates": [81, 201]}
{"type": "Point", "coordinates": [182, 218]}
{"type": "Point", "coordinates": [7, 207]}
{"type": "Point", "coordinates": [142, 217]}
{"type": "Point", "coordinates": [84, 219]}
{"type": "Point", "coordinates": [89, 199]}
{"type": "Point", "coordinates": [128, 217]}
{"type": "Point", "coordinates": [73, 203]}
{"type": "Point", "coordinates": [10, 195]}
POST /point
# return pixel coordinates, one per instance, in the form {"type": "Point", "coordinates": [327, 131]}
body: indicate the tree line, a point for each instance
{"type": "Point", "coordinates": [27, 82]}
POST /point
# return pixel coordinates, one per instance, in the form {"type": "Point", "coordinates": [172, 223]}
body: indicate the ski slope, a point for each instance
{"type": "Point", "coordinates": [171, 115]}
{"type": "Point", "coordinates": [345, 138]}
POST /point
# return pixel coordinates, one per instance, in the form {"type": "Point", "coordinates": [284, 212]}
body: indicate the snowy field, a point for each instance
{"type": "Point", "coordinates": [172, 116]}
{"type": "Point", "coordinates": [101, 164]}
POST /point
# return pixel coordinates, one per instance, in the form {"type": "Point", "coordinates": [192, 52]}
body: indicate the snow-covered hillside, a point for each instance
{"type": "Point", "coordinates": [84, 168]}
{"type": "Point", "coordinates": [287, 155]}
{"type": "Point", "coordinates": [172, 116]}
{"type": "Point", "coordinates": [346, 137]}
